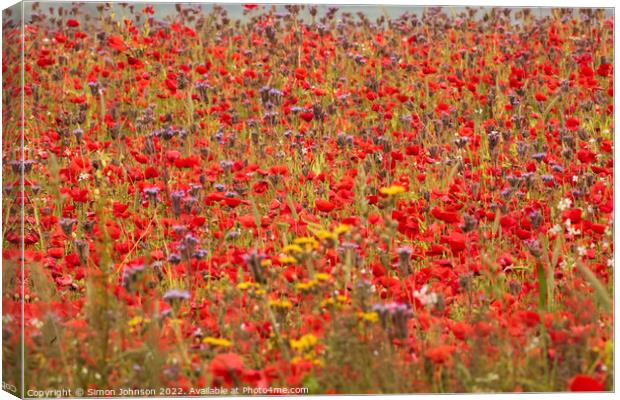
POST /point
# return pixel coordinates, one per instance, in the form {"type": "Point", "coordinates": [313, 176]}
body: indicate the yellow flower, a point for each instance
{"type": "Point", "coordinates": [303, 286]}
{"type": "Point", "coordinates": [287, 260]}
{"type": "Point", "coordinates": [306, 240]}
{"type": "Point", "coordinates": [369, 316]}
{"type": "Point", "coordinates": [318, 363]}
{"type": "Point", "coordinates": [325, 235]}
{"type": "Point", "coordinates": [392, 190]}
{"type": "Point", "coordinates": [321, 276]}
{"type": "Point", "coordinates": [307, 357]}
{"type": "Point", "coordinates": [342, 228]}
{"type": "Point", "coordinates": [327, 302]}
{"type": "Point", "coordinates": [266, 262]}
{"type": "Point", "coordinates": [292, 248]}
{"type": "Point", "coordinates": [284, 304]}
{"type": "Point", "coordinates": [247, 285]}
{"type": "Point", "coordinates": [137, 320]}
{"type": "Point", "coordinates": [217, 342]}
{"type": "Point", "coordinates": [308, 243]}
{"type": "Point", "coordinates": [304, 343]}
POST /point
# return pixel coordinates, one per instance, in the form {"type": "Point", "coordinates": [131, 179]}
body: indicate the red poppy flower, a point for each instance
{"type": "Point", "coordinates": [585, 383]}
{"type": "Point", "coordinates": [227, 368]}
{"type": "Point", "coordinates": [324, 205]}
{"type": "Point", "coordinates": [572, 123]}
{"type": "Point", "coordinates": [117, 43]}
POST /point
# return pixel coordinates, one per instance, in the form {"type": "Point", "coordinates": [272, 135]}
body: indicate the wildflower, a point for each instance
{"type": "Point", "coordinates": [292, 248]}
{"type": "Point", "coordinates": [326, 235]}
{"type": "Point", "coordinates": [322, 277]}
{"type": "Point", "coordinates": [581, 250]}
{"type": "Point", "coordinates": [175, 198]}
{"type": "Point", "coordinates": [571, 230]}
{"type": "Point", "coordinates": [425, 297]}
{"type": "Point", "coordinates": [369, 316]}
{"type": "Point", "coordinates": [137, 320]}
{"type": "Point", "coordinates": [131, 275]}
{"type": "Point", "coordinates": [216, 342]}
{"type": "Point", "coordinates": [247, 285]}
{"type": "Point", "coordinates": [469, 223]}
{"type": "Point", "coordinates": [151, 194]}
{"type": "Point", "coordinates": [585, 383]}
{"type": "Point", "coordinates": [67, 225]}
{"type": "Point", "coordinates": [253, 260]}
{"type": "Point", "coordinates": [564, 204]}
{"type": "Point", "coordinates": [536, 219]}
{"type": "Point", "coordinates": [404, 254]}
{"type": "Point", "coordinates": [342, 228]}
{"type": "Point", "coordinates": [227, 368]}
{"type": "Point", "coordinates": [280, 304]}
{"type": "Point", "coordinates": [324, 205]}
{"type": "Point", "coordinates": [306, 241]}
{"type": "Point", "coordinates": [286, 260]}
{"type": "Point", "coordinates": [174, 258]}
{"type": "Point", "coordinates": [392, 190]}
{"type": "Point", "coordinates": [304, 343]}
{"type": "Point", "coordinates": [555, 229]}
{"type": "Point", "coordinates": [328, 302]}
{"type": "Point", "coordinates": [394, 317]}
{"type": "Point", "coordinates": [440, 354]}
{"type": "Point", "coordinates": [341, 298]}
{"type": "Point", "coordinates": [307, 286]}
{"type": "Point", "coordinates": [176, 295]}
{"type": "Point", "coordinates": [493, 138]}
{"type": "Point", "coordinates": [534, 247]}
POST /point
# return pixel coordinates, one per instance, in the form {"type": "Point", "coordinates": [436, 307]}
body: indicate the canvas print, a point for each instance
{"type": "Point", "coordinates": [206, 199]}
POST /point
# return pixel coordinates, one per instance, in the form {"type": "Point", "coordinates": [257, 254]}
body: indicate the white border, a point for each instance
{"type": "Point", "coordinates": [499, 3]}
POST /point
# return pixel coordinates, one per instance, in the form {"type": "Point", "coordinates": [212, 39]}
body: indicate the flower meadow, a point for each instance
{"type": "Point", "coordinates": [307, 198]}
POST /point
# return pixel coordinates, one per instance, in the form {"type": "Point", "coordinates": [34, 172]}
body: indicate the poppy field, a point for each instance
{"type": "Point", "coordinates": [306, 200]}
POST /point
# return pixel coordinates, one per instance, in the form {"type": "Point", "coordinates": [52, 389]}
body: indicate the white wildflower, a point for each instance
{"type": "Point", "coordinates": [573, 231]}
{"type": "Point", "coordinates": [564, 204]}
{"type": "Point", "coordinates": [556, 229]}
{"type": "Point", "coordinates": [37, 323]}
{"type": "Point", "coordinates": [425, 297]}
